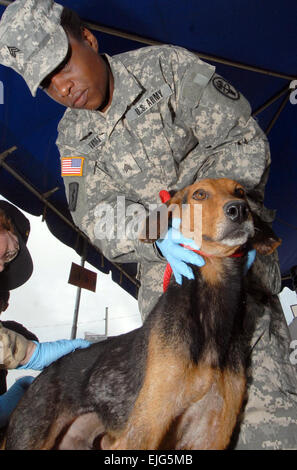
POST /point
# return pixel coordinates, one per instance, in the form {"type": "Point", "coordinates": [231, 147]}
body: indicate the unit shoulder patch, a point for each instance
{"type": "Point", "coordinates": [225, 88]}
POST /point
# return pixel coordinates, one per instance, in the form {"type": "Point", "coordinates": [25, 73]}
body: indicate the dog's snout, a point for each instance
{"type": "Point", "coordinates": [237, 211]}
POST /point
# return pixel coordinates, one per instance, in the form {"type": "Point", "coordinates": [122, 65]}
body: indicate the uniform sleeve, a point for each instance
{"type": "Point", "coordinates": [13, 348]}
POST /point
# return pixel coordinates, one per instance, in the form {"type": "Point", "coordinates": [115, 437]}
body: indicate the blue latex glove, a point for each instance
{"type": "Point", "coordinates": [46, 353]}
{"type": "Point", "coordinates": [250, 259]}
{"type": "Point", "coordinates": [10, 399]}
{"type": "Point", "coordinates": [177, 256]}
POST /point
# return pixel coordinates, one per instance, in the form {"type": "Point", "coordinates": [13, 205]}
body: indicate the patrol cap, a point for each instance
{"type": "Point", "coordinates": [32, 40]}
{"type": "Point", "coordinates": [18, 271]}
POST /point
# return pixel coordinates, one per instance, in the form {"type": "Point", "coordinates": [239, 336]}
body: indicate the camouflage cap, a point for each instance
{"type": "Point", "coordinates": [32, 40]}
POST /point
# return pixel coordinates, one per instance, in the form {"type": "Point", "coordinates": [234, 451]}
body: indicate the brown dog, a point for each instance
{"type": "Point", "coordinates": [178, 382]}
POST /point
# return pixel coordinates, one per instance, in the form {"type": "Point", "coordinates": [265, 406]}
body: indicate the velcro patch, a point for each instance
{"type": "Point", "coordinates": [73, 195]}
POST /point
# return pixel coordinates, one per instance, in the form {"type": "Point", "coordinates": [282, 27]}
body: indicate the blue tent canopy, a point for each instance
{"type": "Point", "coordinates": [252, 44]}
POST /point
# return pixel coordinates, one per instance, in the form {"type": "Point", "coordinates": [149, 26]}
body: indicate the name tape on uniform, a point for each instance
{"type": "Point", "coordinates": [147, 103]}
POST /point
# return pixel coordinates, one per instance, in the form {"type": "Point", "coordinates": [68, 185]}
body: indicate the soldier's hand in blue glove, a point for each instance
{"type": "Point", "coordinates": [46, 353]}
{"type": "Point", "coordinates": [178, 256]}
{"type": "Point", "coordinates": [10, 399]}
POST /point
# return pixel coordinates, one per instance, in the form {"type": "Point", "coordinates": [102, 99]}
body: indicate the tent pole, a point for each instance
{"type": "Point", "coordinates": [221, 60]}
{"type": "Point", "coordinates": [276, 116]}
{"type": "Point", "coordinates": [270, 101]}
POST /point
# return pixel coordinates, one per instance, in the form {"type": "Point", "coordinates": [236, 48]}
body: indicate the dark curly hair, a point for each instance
{"type": "Point", "coordinates": [72, 23]}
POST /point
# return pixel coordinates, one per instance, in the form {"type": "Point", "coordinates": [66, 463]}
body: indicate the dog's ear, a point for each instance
{"type": "Point", "coordinates": [158, 221]}
{"type": "Point", "coordinates": [179, 198]}
{"type": "Point", "coordinates": [264, 241]}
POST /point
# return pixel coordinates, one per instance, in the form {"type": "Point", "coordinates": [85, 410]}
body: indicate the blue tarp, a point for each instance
{"type": "Point", "coordinates": [260, 34]}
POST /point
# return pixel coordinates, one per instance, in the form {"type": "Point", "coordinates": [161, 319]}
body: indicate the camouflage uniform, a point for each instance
{"type": "Point", "coordinates": [174, 120]}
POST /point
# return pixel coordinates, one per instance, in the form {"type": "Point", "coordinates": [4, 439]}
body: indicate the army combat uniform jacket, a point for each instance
{"type": "Point", "coordinates": [172, 121]}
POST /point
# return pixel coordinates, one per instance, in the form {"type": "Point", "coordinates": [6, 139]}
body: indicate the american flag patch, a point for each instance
{"type": "Point", "coordinates": [72, 166]}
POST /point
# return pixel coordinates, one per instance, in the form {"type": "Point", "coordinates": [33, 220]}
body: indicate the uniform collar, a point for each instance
{"type": "Point", "coordinates": [126, 90]}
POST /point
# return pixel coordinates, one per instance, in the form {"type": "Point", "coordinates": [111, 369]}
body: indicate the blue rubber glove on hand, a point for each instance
{"type": "Point", "coordinates": [10, 399]}
{"type": "Point", "coordinates": [177, 256]}
{"type": "Point", "coordinates": [46, 353]}
{"type": "Point", "coordinates": [250, 259]}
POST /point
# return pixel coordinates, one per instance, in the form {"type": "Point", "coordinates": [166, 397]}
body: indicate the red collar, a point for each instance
{"type": "Point", "coordinates": [237, 254]}
{"type": "Point", "coordinates": [168, 269]}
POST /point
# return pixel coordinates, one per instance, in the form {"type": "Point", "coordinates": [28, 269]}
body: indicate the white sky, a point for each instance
{"type": "Point", "coordinates": [45, 304]}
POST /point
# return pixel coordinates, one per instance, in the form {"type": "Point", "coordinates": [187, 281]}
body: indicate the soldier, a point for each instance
{"type": "Point", "coordinates": [139, 122]}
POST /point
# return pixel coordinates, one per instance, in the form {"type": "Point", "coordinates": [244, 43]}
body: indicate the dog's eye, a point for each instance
{"type": "Point", "coordinates": [200, 194]}
{"type": "Point", "coordinates": [239, 192]}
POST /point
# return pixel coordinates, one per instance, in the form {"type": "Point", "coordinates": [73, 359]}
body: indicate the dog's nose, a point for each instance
{"type": "Point", "coordinates": [237, 211]}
